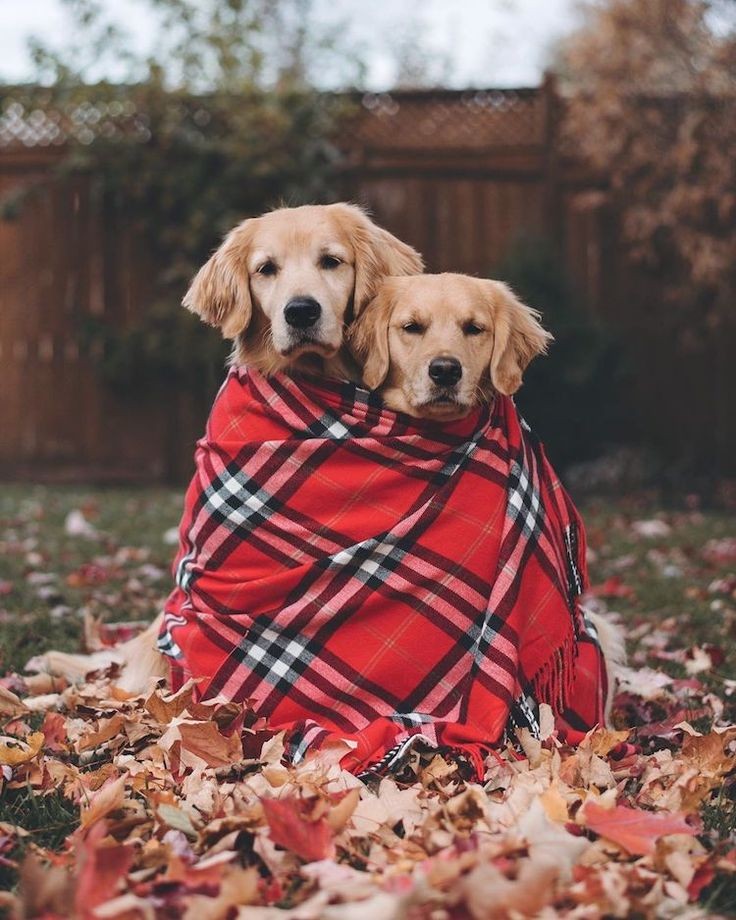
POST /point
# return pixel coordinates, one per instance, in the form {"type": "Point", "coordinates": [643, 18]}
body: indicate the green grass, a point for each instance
{"type": "Point", "coordinates": [33, 543]}
{"type": "Point", "coordinates": [48, 819]}
{"type": "Point", "coordinates": [670, 578]}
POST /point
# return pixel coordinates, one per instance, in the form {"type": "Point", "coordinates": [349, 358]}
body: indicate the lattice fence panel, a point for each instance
{"type": "Point", "coordinates": [467, 122]}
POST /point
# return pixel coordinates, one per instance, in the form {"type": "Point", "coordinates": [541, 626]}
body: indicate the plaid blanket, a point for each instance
{"type": "Point", "coordinates": [358, 574]}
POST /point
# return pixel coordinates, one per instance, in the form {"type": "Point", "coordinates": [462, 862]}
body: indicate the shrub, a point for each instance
{"type": "Point", "coordinates": [572, 398]}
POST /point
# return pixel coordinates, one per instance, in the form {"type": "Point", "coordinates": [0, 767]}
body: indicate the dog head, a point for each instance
{"type": "Point", "coordinates": [438, 345]}
{"type": "Point", "coordinates": [283, 285]}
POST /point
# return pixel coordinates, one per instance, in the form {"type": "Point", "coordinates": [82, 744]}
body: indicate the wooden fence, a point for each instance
{"type": "Point", "coordinates": [463, 176]}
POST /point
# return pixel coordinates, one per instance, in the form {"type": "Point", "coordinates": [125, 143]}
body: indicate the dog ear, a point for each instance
{"type": "Point", "coordinates": [378, 254]}
{"type": "Point", "coordinates": [368, 338]}
{"type": "Point", "coordinates": [518, 337]}
{"type": "Point", "coordinates": [220, 292]}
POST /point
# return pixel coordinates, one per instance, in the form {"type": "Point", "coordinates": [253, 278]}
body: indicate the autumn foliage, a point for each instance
{"type": "Point", "coordinates": [650, 89]}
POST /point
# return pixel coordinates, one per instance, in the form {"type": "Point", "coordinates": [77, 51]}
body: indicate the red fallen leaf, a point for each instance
{"type": "Point", "coordinates": [271, 890]}
{"type": "Point", "coordinates": [310, 840]}
{"type": "Point", "coordinates": [667, 729]}
{"type": "Point", "coordinates": [100, 869]}
{"type": "Point", "coordinates": [112, 634]}
{"type": "Point", "coordinates": [720, 551]}
{"type": "Point", "coordinates": [716, 654]}
{"type": "Point", "coordinates": [88, 574]}
{"type": "Point", "coordinates": [634, 830]}
{"type": "Point", "coordinates": [704, 875]}
{"type": "Point", "coordinates": [613, 587]}
{"type": "Point", "coordinates": [18, 728]}
{"type": "Point", "coordinates": [253, 742]}
{"type": "Point", "coordinates": [623, 751]}
{"type": "Point", "coordinates": [7, 845]}
{"type": "Point", "coordinates": [687, 683]}
{"type": "Point", "coordinates": [14, 683]}
{"type": "Point", "coordinates": [54, 731]}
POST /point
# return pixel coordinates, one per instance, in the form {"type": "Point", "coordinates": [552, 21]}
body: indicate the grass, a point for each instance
{"type": "Point", "coordinates": [48, 578]}
{"type": "Point", "coordinates": [48, 819]}
{"type": "Point", "coordinates": [672, 582]}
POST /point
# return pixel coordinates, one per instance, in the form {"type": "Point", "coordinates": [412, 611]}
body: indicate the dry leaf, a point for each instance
{"type": "Point", "coordinates": [634, 830]}
{"type": "Point", "coordinates": [13, 751]}
{"type": "Point", "coordinates": [10, 704]}
{"type": "Point", "coordinates": [289, 828]}
{"type": "Point", "coordinates": [106, 800]}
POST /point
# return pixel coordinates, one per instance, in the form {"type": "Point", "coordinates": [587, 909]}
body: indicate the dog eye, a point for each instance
{"type": "Point", "coordinates": [472, 329]}
{"type": "Point", "coordinates": [329, 262]}
{"type": "Point", "coordinates": [268, 268]}
{"type": "Point", "coordinates": [413, 328]}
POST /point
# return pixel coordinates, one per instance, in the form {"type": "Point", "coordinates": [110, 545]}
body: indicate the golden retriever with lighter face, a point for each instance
{"type": "Point", "coordinates": [284, 285]}
{"type": "Point", "coordinates": [436, 346]}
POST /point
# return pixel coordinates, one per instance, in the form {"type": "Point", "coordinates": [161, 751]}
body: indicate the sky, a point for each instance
{"type": "Point", "coordinates": [476, 42]}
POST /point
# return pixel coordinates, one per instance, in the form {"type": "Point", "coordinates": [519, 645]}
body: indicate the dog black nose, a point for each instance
{"type": "Point", "coordinates": [302, 312]}
{"type": "Point", "coordinates": [445, 371]}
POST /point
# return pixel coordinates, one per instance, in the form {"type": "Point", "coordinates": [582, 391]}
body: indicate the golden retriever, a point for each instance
{"type": "Point", "coordinates": [436, 346]}
{"type": "Point", "coordinates": [282, 286]}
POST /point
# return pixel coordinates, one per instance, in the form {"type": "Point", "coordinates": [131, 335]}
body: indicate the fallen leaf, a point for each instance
{"type": "Point", "coordinates": [107, 799]}
{"type": "Point", "coordinates": [309, 840]}
{"type": "Point", "coordinates": [101, 867]}
{"type": "Point", "coordinates": [13, 751]}
{"type": "Point", "coordinates": [10, 704]}
{"type": "Point", "coordinates": [635, 830]}
{"type": "Point", "coordinates": [107, 729]}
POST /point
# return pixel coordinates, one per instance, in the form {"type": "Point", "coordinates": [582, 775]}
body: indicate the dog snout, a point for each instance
{"type": "Point", "coordinates": [302, 312]}
{"type": "Point", "coordinates": [445, 371]}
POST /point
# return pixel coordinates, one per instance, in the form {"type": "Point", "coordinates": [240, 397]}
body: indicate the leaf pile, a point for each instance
{"type": "Point", "coordinates": [162, 807]}
{"type": "Point", "coordinates": [185, 810]}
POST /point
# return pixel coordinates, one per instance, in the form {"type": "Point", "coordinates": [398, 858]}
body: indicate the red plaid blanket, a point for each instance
{"type": "Point", "coordinates": [358, 574]}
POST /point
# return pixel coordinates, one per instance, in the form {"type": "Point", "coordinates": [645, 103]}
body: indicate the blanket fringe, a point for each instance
{"type": "Point", "coordinates": [553, 683]}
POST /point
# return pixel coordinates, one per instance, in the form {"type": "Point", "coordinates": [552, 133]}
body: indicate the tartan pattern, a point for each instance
{"type": "Point", "coordinates": [359, 574]}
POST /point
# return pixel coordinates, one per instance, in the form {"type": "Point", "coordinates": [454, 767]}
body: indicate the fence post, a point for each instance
{"type": "Point", "coordinates": [553, 203]}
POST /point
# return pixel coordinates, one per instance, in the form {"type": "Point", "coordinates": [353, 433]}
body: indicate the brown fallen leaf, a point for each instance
{"type": "Point", "coordinates": [167, 706]}
{"type": "Point", "coordinates": [42, 684]}
{"type": "Point", "coordinates": [238, 888]}
{"type": "Point", "coordinates": [201, 744]}
{"type": "Point", "coordinates": [340, 814]}
{"type": "Point", "coordinates": [107, 799]}
{"type": "Point", "coordinates": [13, 751]}
{"type": "Point", "coordinates": [107, 730]}
{"type": "Point", "coordinates": [489, 894]}
{"type": "Point", "coordinates": [45, 891]}
{"type": "Point", "coordinates": [10, 704]}
{"type": "Point", "coordinates": [554, 804]}
{"type": "Point", "coordinates": [707, 753]}
{"type": "Point", "coordinates": [602, 741]}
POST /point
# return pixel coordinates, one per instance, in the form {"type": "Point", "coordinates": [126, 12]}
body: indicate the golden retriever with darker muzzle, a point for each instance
{"type": "Point", "coordinates": [436, 346]}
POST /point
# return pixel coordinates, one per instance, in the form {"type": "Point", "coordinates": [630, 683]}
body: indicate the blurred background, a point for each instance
{"type": "Point", "coordinates": [585, 153]}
